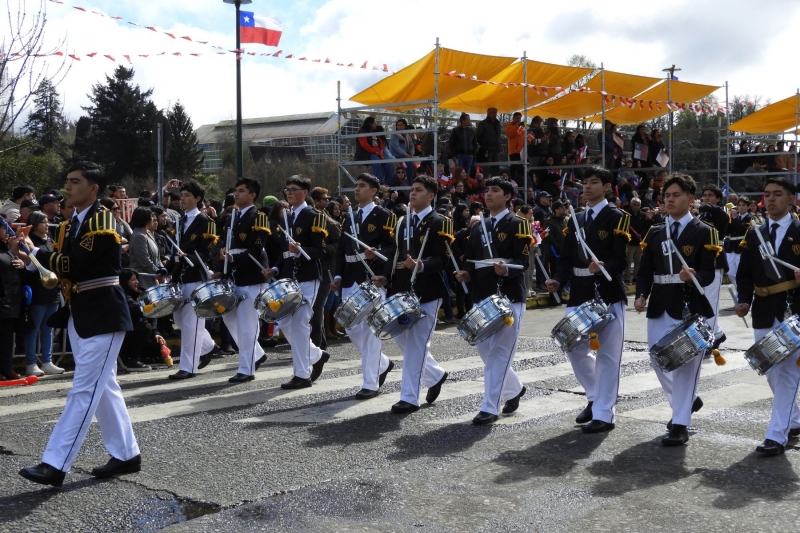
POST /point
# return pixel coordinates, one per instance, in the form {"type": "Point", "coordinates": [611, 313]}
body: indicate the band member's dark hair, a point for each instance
{"type": "Point", "coordinates": [93, 173]}
{"type": "Point", "coordinates": [369, 179]}
{"type": "Point", "coordinates": [684, 181]}
{"type": "Point", "coordinates": [524, 209]}
{"type": "Point", "coordinates": [744, 199]}
{"type": "Point", "coordinates": [158, 210]}
{"type": "Point", "coordinates": [713, 188]}
{"type": "Point", "coordinates": [598, 172]}
{"type": "Point", "coordinates": [194, 188]}
{"type": "Point", "coordinates": [505, 185]}
{"type": "Point", "coordinates": [141, 217]}
{"type": "Point", "coordinates": [428, 182]}
{"type": "Point", "coordinates": [252, 186]}
{"type": "Point", "coordinates": [299, 180]}
{"type": "Point", "coordinates": [782, 182]}
{"type": "Point", "coordinates": [174, 197]}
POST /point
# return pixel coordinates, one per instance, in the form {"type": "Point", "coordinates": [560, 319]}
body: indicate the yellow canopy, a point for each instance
{"type": "Point", "coordinates": [680, 91]}
{"type": "Point", "coordinates": [509, 99]}
{"type": "Point", "coordinates": [774, 118]}
{"type": "Point", "coordinates": [577, 105]}
{"type": "Point", "coordinates": [415, 82]}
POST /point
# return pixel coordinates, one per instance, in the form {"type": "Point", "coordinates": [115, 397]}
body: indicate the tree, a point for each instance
{"type": "Point", "coordinates": [184, 157]}
{"type": "Point", "coordinates": [83, 130]}
{"type": "Point", "coordinates": [121, 118]}
{"type": "Point", "coordinates": [46, 124]}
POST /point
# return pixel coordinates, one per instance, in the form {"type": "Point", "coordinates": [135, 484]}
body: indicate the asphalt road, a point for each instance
{"type": "Point", "coordinates": [219, 457]}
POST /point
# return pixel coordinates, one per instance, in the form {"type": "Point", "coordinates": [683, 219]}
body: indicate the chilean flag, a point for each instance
{"type": "Point", "coordinates": [259, 29]}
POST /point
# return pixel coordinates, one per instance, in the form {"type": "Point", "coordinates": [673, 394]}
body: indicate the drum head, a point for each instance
{"type": "Point", "coordinates": [358, 305]}
{"type": "Point", "coordinates": [216, 306]}
{"type": "Point", "coordinates": [161, 300]}
{"type": "Point", "coordinates": [394, 316]}
{"type": "Point", "coordinates": [485, 319]}
{"type": "Point", "coordinates": [279, 300]}
{"type": "Point", "coordinates": [686, 341]}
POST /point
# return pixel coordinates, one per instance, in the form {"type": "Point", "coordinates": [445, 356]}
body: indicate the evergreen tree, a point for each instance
{"type": "Point", "coordinates": [121, 118]}
{"type": "Point", "coordinates": [80, 148]}
{"type": "Point", "coordinates": [46, 123]}
{"type": "Point", "coordinates": [184, 157]}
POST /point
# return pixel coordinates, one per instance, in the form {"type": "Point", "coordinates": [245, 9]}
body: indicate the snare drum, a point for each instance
{"type": "Point", "coordinates": [775, 346]}
{"type": "Point", "coordinates": [214, 298]}
{"type": "Point", "coordinates": [573, 330]}
{"type": "Point", "coordinates": [279, 299]}
{"type": "Point", "coordinates": [161, 300]}
{"type": "Point", "coordinates": [485, 319]}
{"type": "Point", "coordinates": [395, 315]}
{"type": "Point", "coordinates": [358, 305]}
{"type": "Point", "coordinates": [689, 339]}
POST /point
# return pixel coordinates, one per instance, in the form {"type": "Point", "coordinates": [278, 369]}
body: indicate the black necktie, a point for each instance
{"type": "Point", "coordinates": [358, 217]}
{"type": "Point", "coordinates": [415, 221]}
{"type": "Point", "coordinates": [589, 217]}
{"type": "Point", "coordinates": [773, 236]}
{"type": "Point", "coordinates": [184, 220]}
{"type": "Point", "coordinates": [494, 220]}
{"type": "Point", "coordinates": [676, 228]}
{"type": "Point", "coordinates": [74, 227]}
{"type": "Point", "coordinates": [291, 220]}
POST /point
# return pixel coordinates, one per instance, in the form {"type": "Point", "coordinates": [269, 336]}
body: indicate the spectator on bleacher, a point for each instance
{"type": "Point", "coordinates": [654, 148]}
{"type": "Point", "coordinates": [44, 302]}
{"type": "Point", "coordinates": [515, 135]}
{"type": "Point", "coordinates": [50, 207]}
{"type": "Point", "coordinates": [488, 138]}
{"type": "Point", "coordinates": [568, 144]}
{"type": "Point", "coordinates": [782, 160]}
{"type": "Point", "coordinates": [460, 195]}
{"type": "Point", "coordinates": [581, 150]}
{"type": "Point", "coordinates": [553, 142]}
{"type": "Point", "coordinates": [402, 146]}
{"type": "Point", "coordinates": [741, 163]}
{"type": "Point", "coordinates": [640, 137]}
{"type": "Point", "coordinates": [371, 149]}
{"type": "Point", "coordinates": [445, 179]}
{"type": "Point", "coordinates": [610, 145]}
{"type": "Point", "coordinates": [118, 192]}
{"type": "Point", "coordinates": [10, 209]}
{"type": "Point", "coordinates": [537, 143]}
{"type": "Point", "coordinates": [11, 269]}
{"type": "Point", "coordinates": [542, 208]}
{"type": "Point", "coordinates": [463, 144]}
{"type": "Point", "coordinates": [145, 258]}
{"type": "Point", "coordinates": [400, 179]}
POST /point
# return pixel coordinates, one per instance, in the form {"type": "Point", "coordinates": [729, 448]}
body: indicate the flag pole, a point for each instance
{"type": "Point", "coordinates": [239, 151]}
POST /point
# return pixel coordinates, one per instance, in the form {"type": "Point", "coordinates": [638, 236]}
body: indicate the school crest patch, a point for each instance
{"type": "Point", "coordinates": [526, 250]}
{"type": "Point", "coordinates": [502, 236]}
{"type": "Point", "coordinates": [602, 234]}
{"type": "Point", "coordinates": [193, 237]}
{"type": "Point", "coordinates": [299, 231]}
{"type": "Point", "coordinates": [87, 243]}
{"type": "Point", "coordinates": [243, 236]}
{"type": "Point", "coordinates": [258, 241]}
{"type": "Point", "coordinates": [687, 250]}
{"type": "Point", "coordinates": [371, 228]}
{"type": "Point", "coordinates": [796, 249]}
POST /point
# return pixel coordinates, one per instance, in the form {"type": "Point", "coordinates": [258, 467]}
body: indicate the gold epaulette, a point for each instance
{"type": "Point", "coordinates": [643, 244]}
{"type": "Point", "coordinates": [391, 223]}
{"type": "Point", "coordinates": [565, 231]}
{"type": "Point", "coordinates": [102, 223]}
{"type": "Point", "coordinates": [211, 232]}
{"type": "Point", "coordinates": [447, 230]}
{"type": "Point", "coordinates": [62, 234]}
{"type": "Point", "coordinates": [524, 231]}
{"type": "Point", "coordinates": [624, 226]}
{"type": "Point", "coordinates": [261, 223]}
{"type": "Point", "coordinates": [743, 242]}
{"type": "Point", "coordinates": [714, 244]}
{"type": "Point", "coordinates": [320, 225]}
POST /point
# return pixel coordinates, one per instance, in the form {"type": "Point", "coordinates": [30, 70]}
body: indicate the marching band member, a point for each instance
{"type": "Point", "coordinates": [736, 230]}
{"type": "Point", "coordinates": [674, 294]}
{"type": "Point", "coordinates": [606, 232]}
{"type": "Point", "coordinates": [773, 293]}
{"type": "Point", "coordinates": [419, 366]}
{"type": "Point", "coordinates": [307, 231]}
{"type": "Point", "coordinates": [511, 240]}
{"type": "Point", "coordinates": [374, 226]}
{"type": "Point", "coordinates": [249, 230]}
{"type": "Point", "coordinates": [713, 214]}
{"type": "Point", "coordinates": [197, 234]}
{"type": "Point", "coordinates": [89, 262]}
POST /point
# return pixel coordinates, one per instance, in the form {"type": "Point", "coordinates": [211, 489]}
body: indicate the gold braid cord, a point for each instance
{"type": "Point", "coordinates": [624, 226]}
{"type": "Point", "coordinates": [524, 232]}
{"type": "Point", "coordinates": [643, 244]}
{"type": "Point", "coordinates": [714, 245]}
{"type": "Point", "coordinates": [320, 225]}
{"type": "Point", "coordinates": [743, 242]}
{"type": "Point", "coordinates": [447, 230]}
{"type": "Point", "coordinates": [211, 233]}
{"type": "Point", "coordinates": [391, 222]}
{"type": "Point", "coordinates": [261, 224]}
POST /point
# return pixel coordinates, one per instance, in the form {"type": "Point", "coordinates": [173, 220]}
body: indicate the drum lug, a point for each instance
{"type": "Point", "coordinates": [242, 297]}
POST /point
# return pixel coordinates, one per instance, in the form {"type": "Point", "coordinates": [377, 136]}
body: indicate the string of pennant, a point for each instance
{"type": "Point", "coordinates": [704, 107]}
{"type": "Point", "coordinates": [220, 50]}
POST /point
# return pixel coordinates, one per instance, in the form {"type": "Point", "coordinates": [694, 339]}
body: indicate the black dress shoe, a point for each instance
{"type": "Point", "coordinates": [316, 368]}
{"type": "Point", "coordinates": [770, 447]}
{"type": "Point", "coordinates": [241, 378]}
{"type": "Point", "coordinates": [402, 408]}
{"type": "Point", "coordinates": [366, 394]}
{"type": "Point", "coordinates": [717, 343]}
{"type": "Point", "coordinates": [296, 383]}
{"type": "Point", "coordinates": [585, 416]}
{"type": "Point", "coordinates": [433, 392]}
{"type": "Point", "coordinates": [227, 351]}
{"type": "Point", "coordinates": [205, 359]}
{"type": "Point", "coordinates": [696, 406]}
{"type": "Point", "coordinates": [513, 404]}
{"type": "Point", "coordinates": [116, 467]}
{"type": "Point", "coordinates": [43, 473]}
{"type": "Point", "coordinates": [261, 361]}
{"type": "Point", "coordinates": [383, 375]}
{"type": "Point", "coordinates": [677, 436]}
{"type": "Point", "coordinates": [597, 426]}
{"type": "Point", "coordinates": [484, 419]}
{"type": "Point", "coordinates": [794, 432]}
{"type": "Point", "coordinates": [181, 374]}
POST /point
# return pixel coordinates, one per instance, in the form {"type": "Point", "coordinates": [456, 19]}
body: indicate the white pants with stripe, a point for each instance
{"type": "Point", "coordinates": [784, 380]}
{"type": "Point", "coordinates": [195, 339]}
{"type": "Point", "coordinates": [733, 266]}
{"type": "Point", "coordinates": [95, 393]}
{"type": "Point", "coordinates": [297, 330]}
{"type": "Point", "coordinates": [712, 293]}
{"type": "Point", "coordinates": [497, 352]}
{"type": "Point", "coordinates": [419, 366]}
{"type": "Point", "coordinates": [599, 373]}
{"type": "Point", "coordinates": [680, 385]}
{"type": "Point", "coordinates": [373, 361]}
{"type": "Point", "coordinates": [243, 325]}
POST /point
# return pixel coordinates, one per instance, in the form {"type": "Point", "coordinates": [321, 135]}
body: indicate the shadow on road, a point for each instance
{"type": "Point", "coordinates": [18, 506]}
{"type": "Point", "coordinates": [441, 442]}
{"type": "Point", "coordinates": [367, 428]}
{"type": "Point", "coordinates": [751, 479]}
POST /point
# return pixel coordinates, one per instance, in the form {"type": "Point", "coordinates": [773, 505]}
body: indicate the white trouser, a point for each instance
{"type": "Point", "coordinates": [680, 385]}
{"type": "Point", "coordinates": [733, 266]}
{"type": "Point", "coordinates": [195, 339]}
{"type": "Point", "coordinates": [373, 361]}
{"type": "Point", "coordinates": [599, 373]}
{"type": "Point", "coordinates": [784, 380]}
{"type": "Point", "coordinates": [497, 353]}
{"type": "Point", "coordinates": [712, 293]}
{"type": "Point", "coordinates": [419, 366]}
{"type": "Point", "coordinates": [95, 392]}
{"type": "Point", "coordinates": [243, 325]}
{"type": "Point", "coordinates": [297, 330]}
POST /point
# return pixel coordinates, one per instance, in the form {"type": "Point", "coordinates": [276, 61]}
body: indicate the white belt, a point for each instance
{"type": "Point", "coordinates": [667, 279]}
{"type": "Point", "coordinates": [736, 238]}
{"type": "Point", "coordinates": [582, 272]}
{"type": "Point", "coordinates": [493, 261]}
{"type": "Point", "coordinates": [354, 258]}
{"type": "Point", "coordinates": [234, 251]}
{"type": "Point", "coordinates": [109, 281]}
{"type": "Point", "coordinates": [287, 255]}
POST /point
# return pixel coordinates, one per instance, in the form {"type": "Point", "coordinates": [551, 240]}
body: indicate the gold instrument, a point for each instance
{"type": "Point", "coordinates": [49, 279]}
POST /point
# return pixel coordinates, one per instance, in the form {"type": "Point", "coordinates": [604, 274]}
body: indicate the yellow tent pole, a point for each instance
{"type": "Point", "coordinates": [525, 125]}
{"type": "Point", "coordinates": [796, 121]}
{"type": "Point", "coordinates": [435, 112]}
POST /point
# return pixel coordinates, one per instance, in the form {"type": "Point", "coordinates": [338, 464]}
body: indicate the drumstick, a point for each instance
{"type": "Point", "coordinates": [408, 228]}
{"type": "Point", "coordinates": [419, 257]}
{"type": "Point", "coordinates": [228, 240]}
{"type": "Point", "coordinates": [455, 265]}
{"type": "Point", "coordinates": [376, 252]}
{"type": "Point", "coordinates": [492, 263]}
{"type": "Point", "coordinates": [546, 276]}
{"type": "Point", "coordinates": [289, 237]}
{"type": "Point", "coordinates": [189, 261]}
{"type": "Point", "coordinates": [764, 244]}
{"type": "Point", "coordinates": [735, 301]}
{"type": "Point", "coordinates": [784, 263]}
{"type": "Point", "coordinates": [583, 244]}
{"type": "Point", "coordinates": [353, 226]}
{"type": "Point", "coordinates": [486, 236]}
{"type": "Point", "coordinates": [205, 268]}
{"type": "Point", "coordinates": [669, 238]}
{"type": "Point", "coordinates": [683, 262]}
{"type": "Point", "coordinates": [259, 265]}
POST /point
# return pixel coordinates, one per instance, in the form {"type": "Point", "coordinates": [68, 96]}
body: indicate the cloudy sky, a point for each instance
{"type": "Point", "coordinates": [746, 43]}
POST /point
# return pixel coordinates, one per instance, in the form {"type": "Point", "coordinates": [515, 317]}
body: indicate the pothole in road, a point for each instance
{"type": "Point", "coordinates": [163, 512]}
